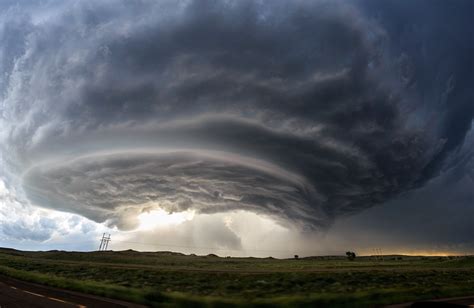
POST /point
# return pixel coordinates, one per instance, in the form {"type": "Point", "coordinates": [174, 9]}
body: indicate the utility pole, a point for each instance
{"type": "Point", "coordinates": [104, 242]}
{"type": "Point", "coordinates": [107, 240]}
{"type": "Point", "coordinates": [378, 254]}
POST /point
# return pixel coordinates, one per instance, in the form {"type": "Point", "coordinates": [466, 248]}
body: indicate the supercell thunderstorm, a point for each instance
{"type": "Point", "coordinates": [302, 112]}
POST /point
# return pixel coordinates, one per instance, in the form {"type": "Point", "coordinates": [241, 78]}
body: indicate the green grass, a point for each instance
{"type": "Point", "coordinates": [169, 279]}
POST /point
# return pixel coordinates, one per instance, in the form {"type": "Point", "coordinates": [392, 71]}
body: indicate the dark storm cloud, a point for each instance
{"type": "Point", "coordinates": [434, 43]}
{"type": "Point", "coordinates": [123, 185]}
{"type": "Point", "coordinates": [439, 220]}
{"type": "Point", "coordinates": [317, 91]}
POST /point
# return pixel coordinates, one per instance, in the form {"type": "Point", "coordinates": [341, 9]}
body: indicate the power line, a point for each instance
{"type": "Point", "coordinates": [178, 246]}
{"type": "Point", "coordinates": [209, 248]}
{"type": "Point", "coordinates": [106, 239]}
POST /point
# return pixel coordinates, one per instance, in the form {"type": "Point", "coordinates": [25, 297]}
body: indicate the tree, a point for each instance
{"type": "Point", "coordinates": [351, 255]}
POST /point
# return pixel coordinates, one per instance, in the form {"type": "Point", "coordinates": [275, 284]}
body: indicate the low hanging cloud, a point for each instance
{"type": "Point", "coordinates": [118, 187]}
{"type": "Point", "coordinates": [301, 111]}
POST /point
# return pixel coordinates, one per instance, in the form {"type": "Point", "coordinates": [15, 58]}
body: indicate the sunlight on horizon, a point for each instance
{"type": "Point", "coordinates": [150, 220]}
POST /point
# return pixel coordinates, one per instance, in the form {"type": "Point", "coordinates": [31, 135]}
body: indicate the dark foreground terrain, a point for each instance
{"type": "Point", "coordinates": [172, 279]}
{"type": "Point", "coordinates": [19, 294]}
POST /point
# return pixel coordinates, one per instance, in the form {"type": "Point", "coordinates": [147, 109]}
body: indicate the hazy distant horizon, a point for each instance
{"type": "Point", "coordinates": [256, 128]}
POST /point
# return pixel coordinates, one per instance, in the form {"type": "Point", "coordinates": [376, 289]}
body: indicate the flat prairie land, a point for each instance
{"type": "Point", "coordinates": [168, 279]}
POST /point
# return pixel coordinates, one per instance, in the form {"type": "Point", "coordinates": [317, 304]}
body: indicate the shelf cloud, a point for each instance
{"type": "Point", "coordinates": [301, 111]}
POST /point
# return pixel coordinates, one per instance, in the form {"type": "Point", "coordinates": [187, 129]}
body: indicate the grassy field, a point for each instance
{"type": "Point", "coordinates": [171, 279]}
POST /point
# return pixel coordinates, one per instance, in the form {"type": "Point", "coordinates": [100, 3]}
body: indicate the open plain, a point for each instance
{"type": "Point", "coordinates": [173, 279]}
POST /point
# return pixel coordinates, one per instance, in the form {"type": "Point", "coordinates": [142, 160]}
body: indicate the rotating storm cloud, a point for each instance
{"type": "Point", "coordinates": [303, 112]}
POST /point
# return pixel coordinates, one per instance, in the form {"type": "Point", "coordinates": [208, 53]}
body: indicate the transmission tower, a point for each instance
{"type": "Point", "coordinates": [104, 242]}
{"type": "Point", "coordinates": [107, 240]}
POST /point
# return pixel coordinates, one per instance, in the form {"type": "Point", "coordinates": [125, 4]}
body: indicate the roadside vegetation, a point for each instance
{"type": "Point", "coordinates": [172, 279]}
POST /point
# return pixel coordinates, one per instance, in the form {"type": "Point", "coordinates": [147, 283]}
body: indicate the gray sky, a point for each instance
{"type": "Point", "coordinates": [246, 127]}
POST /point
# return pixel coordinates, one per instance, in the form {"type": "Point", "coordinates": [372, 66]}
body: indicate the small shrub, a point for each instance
{"type": "Point", "coordinates": [351, 255]}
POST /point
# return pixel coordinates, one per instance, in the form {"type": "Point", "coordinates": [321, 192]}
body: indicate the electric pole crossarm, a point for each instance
{"type": "Point", "coordinates": [104, 242]}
